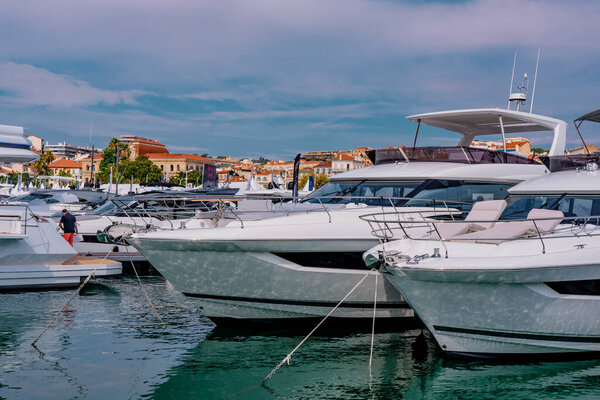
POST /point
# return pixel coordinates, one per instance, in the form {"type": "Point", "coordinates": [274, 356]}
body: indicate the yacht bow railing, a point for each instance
{"type": "Point", "coordinates": [14, 219]}
{"type": "Point", "coordinates": [418, 225]}
{"type": "Point", "coordinates": [173, 213]}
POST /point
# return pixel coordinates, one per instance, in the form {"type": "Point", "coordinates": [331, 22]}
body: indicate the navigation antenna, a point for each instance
{"type": "Point", "coordinates": [512, 78]}
{"type": "Point", "coordinates": [537, 63]}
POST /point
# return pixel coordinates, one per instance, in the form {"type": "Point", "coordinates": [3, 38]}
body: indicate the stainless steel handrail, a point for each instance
{"type": "Point", "coordinates": [376, 220]}
{"type": "Point", "coordinates": [226, 204]}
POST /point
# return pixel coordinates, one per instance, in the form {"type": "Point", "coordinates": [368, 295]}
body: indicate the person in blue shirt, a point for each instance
{"type": "Point", "coordinates": [68, 223]}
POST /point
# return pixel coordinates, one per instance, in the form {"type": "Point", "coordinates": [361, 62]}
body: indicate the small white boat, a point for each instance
{"type": "Point", "coordinates": [515, 286]}
{"type": "Point", "coordinates": [32, 252]}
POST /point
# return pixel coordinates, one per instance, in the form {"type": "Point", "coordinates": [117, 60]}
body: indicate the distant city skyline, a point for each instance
{"type": "Point", "coordinates": [269, 78]}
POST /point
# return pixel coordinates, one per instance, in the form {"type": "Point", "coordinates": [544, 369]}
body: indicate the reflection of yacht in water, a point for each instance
{"type": "Point", "coordinates": [301, 265]}
{"type": "Point", "coordinates": [526, 283]}
{"type": "Point", "coordinates": [33, 254]}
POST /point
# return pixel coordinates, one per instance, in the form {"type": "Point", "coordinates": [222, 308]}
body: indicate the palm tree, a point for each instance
{"type": "Point", "coordinates": [42, 165]}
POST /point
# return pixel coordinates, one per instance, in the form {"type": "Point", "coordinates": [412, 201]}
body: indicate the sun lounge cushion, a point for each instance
{"type": "Point", "coordinates": [489, 210]}
{"type": "Point", "coordinates": [513, 229]}
{"type": "Point", "coordinates": [500, 232]}
{"type": "Point", "coordinates": [546, 225]}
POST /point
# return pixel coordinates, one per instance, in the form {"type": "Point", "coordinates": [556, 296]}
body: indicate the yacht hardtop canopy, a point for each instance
{"type": "Point", "coordinates": [593, 116]}
{"type": "Point", "coordinates": [571, 182]}
{"type": "Point", "coordinates": [14, 145]}
{"type": "Point", "coordinates": [491, 121]}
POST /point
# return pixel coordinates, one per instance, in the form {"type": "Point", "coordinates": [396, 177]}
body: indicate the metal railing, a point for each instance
{"type": "Point", "coordinates": [19, 219]}
{"type": "Point", "coordinates": [172, 209]}
{"type": "Point", "coordinates": [418, 225]}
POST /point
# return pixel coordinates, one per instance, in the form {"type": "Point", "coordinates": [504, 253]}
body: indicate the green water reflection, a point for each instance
{"type": "Point", "coordinates": [110, 345]}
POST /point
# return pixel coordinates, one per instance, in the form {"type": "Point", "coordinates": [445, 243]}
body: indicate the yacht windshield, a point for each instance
{"type": "Point", "coordinates": [459, 194]}
{"type": "Point", "coordinates": [371, 193]}
{"type": "Point", "coordinates": [571, 206]}
{"type": "Point", "coordinates": [26, 198]}
{"type": "Point", "coordinates": [105, 209]}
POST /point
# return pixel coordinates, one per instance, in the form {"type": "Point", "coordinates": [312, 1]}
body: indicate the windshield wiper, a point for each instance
{"type": "Point", "coordinates": [350, 190]}
{"type": "Point", "coordinates": [556, 202]}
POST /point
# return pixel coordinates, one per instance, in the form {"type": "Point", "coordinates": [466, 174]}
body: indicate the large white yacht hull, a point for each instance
{"type": "Point", "coordinates": [507, 305]}
{"type": "Point", "coordinates": [263, 286]}
{"type": "Point", "coordinates": [272, 269]}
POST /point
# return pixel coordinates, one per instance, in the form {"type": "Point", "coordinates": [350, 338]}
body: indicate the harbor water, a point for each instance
{"type": "Point", "coordinates": [109, 344]}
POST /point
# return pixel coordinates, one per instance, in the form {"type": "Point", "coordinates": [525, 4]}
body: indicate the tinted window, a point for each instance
{"type": "Point", "coordinates": [363, 192]}
{"type": "Point", "coordinates": [571, 206]}
{"type": "Point", "coordinates": [457, 192]}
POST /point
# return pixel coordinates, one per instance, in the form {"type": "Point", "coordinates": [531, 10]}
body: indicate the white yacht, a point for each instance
{"type": "Point", "coordinates": [302, 265]}
{"type": "Point", "coordinates": [529, 283]}
{"type": "Point", "coordinates": [32, 252]}
{"type": "Point", "coordinates": [48, 202]}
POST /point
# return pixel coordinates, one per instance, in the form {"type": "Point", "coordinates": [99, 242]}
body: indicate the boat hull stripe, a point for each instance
{"type": "Point", "coordinates": [299, 302]}
{"type": "Point", "coordinates": [518, 335]}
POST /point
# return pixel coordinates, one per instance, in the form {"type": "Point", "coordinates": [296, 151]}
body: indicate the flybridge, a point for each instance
{"type": "Point", "coordinates": [491, 121]}
{"type": "Point", "coordinates": [14, 145]}
{"type": "Point", "coordinates": [453, 154]}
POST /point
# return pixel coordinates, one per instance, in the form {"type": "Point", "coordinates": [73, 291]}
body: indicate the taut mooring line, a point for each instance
{"type": "Point", "coordinates": [289, 356]}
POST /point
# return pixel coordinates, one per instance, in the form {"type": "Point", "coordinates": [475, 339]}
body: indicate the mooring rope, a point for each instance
{"type": "Point", "coordinates": [70, 299]}
{"type": "Point", "coordinates": [289, 356]}
{"type": "Point", "coordinates": [373, 329]}
{"type": "Point", "coordinates": [143, 289]}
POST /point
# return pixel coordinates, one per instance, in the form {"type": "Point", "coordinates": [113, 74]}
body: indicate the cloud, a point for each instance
{"type": "Point", "coordinates": [211, 96]}
{"type": "Point", "coordinates": [32, 86]}
{"type": "Point", "coordinates": [276, 75]}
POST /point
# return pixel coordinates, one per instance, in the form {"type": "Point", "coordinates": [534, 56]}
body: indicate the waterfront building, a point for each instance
{"type": "Point", "coordinates": [320, 155]}
{"type": "Point", "coordinates": [65, 150]}
{"type": "Point", "coordinates": [37, 143]}
{"type": "Point", "coordinates": [343, 162]}
{"type": "Point", "coordinates": [65, 165]}
{"type": "Point", "coordinates": [323, 168]}
{"type": "Point", "coordinates": [513, 145]}
{"type": "Point", "coordinates": [174, 163]}
{"type": "Point", "coordinates": [86, 167]}
{"type": "Point", "coordinates": [581, 150]}
{"type": "Point", "coordinates": [140, 145]}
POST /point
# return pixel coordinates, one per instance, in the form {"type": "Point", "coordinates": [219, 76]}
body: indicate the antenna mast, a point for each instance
{"type": "Point", "coordinates": [512, 77]}
{"type": "Point", "coordinates": [537, 63]}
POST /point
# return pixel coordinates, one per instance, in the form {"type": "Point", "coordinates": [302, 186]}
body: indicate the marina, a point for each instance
{"type": "Point", "coordinates": [309, 199]}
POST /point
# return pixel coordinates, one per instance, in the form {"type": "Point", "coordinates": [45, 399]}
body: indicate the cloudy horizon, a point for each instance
{"type": "Point", "coordinates": [273, 78]}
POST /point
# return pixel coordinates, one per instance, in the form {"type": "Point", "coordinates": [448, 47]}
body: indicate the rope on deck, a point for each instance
{"type": "Point", "coordinates": [288, 358]}
{"type": "Point", "coordinates": [70, 299]}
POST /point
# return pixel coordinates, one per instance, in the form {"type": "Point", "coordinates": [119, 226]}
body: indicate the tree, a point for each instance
{"type": "Point", "coordinates": [66, 175]}
{"type": "Point", "coordinates": [205, 155]}
{"type": "Point", "coordinates": [192, 177]}
{"type": "Point", "coordinates": [320, 180]}
{"type": "Point", "coordinates": [303, 180]}
{"type": "Point", "coordinates": [142, 170]}
{"type": "Point", "coordinates": [261, 160]}
{"type": "Point", "coordinates": [538, 150]}
{"type": "Point", "coordinates": [42, 165]}
{"type": "Point", "coordinates": [109, 158]}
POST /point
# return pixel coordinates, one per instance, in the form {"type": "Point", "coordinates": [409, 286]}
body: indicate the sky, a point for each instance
{"type": "Point", "coordinates": [277, 77]}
